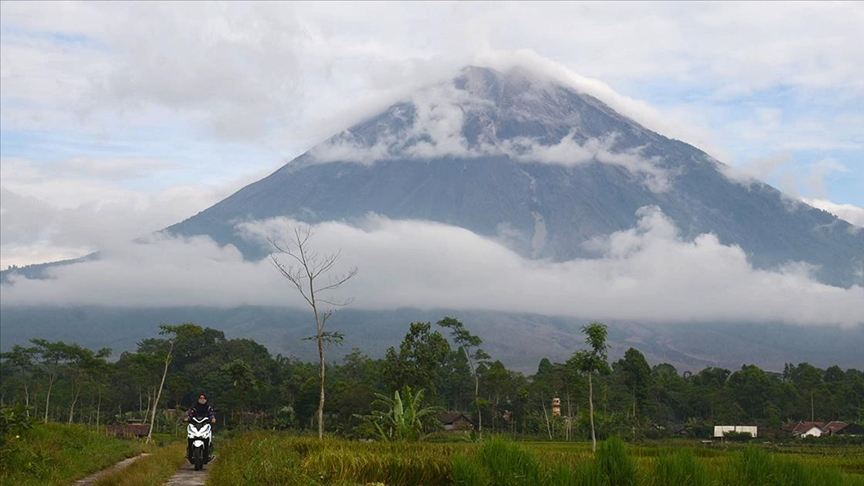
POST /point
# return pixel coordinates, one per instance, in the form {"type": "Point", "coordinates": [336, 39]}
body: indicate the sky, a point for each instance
{"type": "Point", "coordinates": [119, 119]}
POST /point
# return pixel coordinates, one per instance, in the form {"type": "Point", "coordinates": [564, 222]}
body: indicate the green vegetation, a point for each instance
{"type": "Point", "coordinates": [268, 458]}
{"type": "Point", "coordinates": [152, 470]}
{"type": "Point", "coordinates": [404, 417]}
{"type": "Point", "coordinates": [656, 411]}
{"type": "Point", "coordinates": [49, 454]}
{"type": "Point", "coordinates": [259, 458]}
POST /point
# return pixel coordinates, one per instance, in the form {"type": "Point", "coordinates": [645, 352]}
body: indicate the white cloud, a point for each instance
{"type": "Point", "coordinates": [70, 213]}
{"type": "Point", "coordinates": [435, 129]}
{"type": "Point", "coordinates": [847, 212]}
{"type": "Point", "coordinates": [646, 273]}
{"type": "Point", "coordinates": [291, 75]}
{"type": "Point", "coordinates": [570, 152]}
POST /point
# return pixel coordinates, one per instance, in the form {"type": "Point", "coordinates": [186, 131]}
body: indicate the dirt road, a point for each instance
{"type": "Point", "coordinates": [89, 480]}
{"type": "Point", "coordinates": [188, 476]}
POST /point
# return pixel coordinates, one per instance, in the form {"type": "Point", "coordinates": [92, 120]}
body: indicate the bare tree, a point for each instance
{"type": "Point", "coordinates": [186, 330]}
{"type": "Point", "coordinates": [304, 269]}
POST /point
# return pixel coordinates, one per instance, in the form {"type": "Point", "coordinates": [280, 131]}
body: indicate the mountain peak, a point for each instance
{"type": "Point", "coordinates": [484, 112]}
{"type": "Point", "coordinates": [536, 164]}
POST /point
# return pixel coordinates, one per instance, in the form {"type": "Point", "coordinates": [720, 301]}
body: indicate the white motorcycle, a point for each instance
{"type": "Point", "coordinates": [200, 435]}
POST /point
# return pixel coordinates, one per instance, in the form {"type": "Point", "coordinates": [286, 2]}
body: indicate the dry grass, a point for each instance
{"type": "Point", "coordinates": [153, 470]}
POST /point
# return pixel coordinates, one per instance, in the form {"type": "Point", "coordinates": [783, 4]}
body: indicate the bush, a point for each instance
{"type": "Point", "coordinates": [13, 424]}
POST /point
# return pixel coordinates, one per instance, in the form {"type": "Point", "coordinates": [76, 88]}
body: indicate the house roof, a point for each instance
{"type": "Point", "coordinates": [833, 426]}
{"type": "Point", "coordinates": [803, 427]}
{"type": "Point", "coordinates": [851, 429]}
{"type": "Point", "coordinates": [453, 417]}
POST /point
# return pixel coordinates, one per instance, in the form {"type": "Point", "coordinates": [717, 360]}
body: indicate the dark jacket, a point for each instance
{"type": "Point", "coordinates": [210, 412]}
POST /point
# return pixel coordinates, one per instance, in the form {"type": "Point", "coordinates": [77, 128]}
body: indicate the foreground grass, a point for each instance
{"type": "Point", "coordinates": [57, 454]}
{"type": "Point", "coordinates": [153, 470]}
{"type": "Point", "coordinates": [267, 459]}
{"type": "Point", "coordinates": [262, 458]}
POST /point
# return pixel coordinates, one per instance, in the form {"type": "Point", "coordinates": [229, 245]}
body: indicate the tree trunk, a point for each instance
{"type": "Point", "coordinates": [98, 406]}
{"type": "Point", "coordinates": [591, 413]}
{"type": "Point", "coordinates": [159, 393]}
{"type": "Point", "coordinates": [569, 416]}
{"type": "Point", "coordinates": [48, 398]}
{"type": "Point", "coordinates": [72, 407]}
{"type": "Point", "coordinates": [26, 400]}
{"type": "Point", "coordinates": [320, 364]}
{"type": "Point", "coordinates": [812, 413]}
{"type": "Point", "coordinates": [546, 416]}
{"type": "Point", "coordinates": [477, 403]}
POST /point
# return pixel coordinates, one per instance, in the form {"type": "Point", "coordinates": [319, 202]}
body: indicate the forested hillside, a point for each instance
{"type": "Point", "coordinates": [250, 388]}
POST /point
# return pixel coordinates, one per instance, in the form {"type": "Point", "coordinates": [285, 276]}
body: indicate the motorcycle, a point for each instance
{"type": "Point", "coordinates": [200, 435]}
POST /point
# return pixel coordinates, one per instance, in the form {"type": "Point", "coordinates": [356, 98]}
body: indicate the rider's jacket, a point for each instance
{"type": "Point", "coordinates": [210, 412]}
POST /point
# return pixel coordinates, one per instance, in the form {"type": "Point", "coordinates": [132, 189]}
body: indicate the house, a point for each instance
{"type": "Point", "coordinates": [851, 429]}
{"type": "Point", "coordinates": [456, 422]}
{"type": "Point", "coordinates": [721, 430]}
{"type": "Point", "coordinates": [832, 427]}
{"type": "Point", "coordinates": [808, 429]}
{"type": "Point", "coordinates": [132, 428]}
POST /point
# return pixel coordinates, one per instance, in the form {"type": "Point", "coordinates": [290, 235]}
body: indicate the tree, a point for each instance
{"type": "Point", "coordinates": [637, 376]}
{"type": "Point", "coordinates": [807, 378]}
{"type": "Point", "coordinates": [186, 330]}
{"type": "Point", "coordinates": [51, 354]}
{"type": "Point", "coordinates": [22, 358]}
{"type": "Point", "coordinates": [470, 345]}
{"type": "Point", "coordinates": [749, 387]}
{"type": "Point", "coordinates": [592, 361]}
{"type": "Point", "coordinates": [307, 266]}
{"type": "Point", "coordinates": [420, 363]}
{"type": "Point", "coordinates": [82, 364]}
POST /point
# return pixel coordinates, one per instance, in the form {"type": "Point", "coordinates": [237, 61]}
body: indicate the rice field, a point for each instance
{"type": "Point", "coordinates": [266, 458]}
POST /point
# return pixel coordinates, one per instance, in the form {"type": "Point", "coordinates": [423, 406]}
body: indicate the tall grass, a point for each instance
{"type": "Point", "coordinates": [261, 458]}
{"type": "Point", "coordinates": [616, 466]}
{"type": "Point", "coordinates": [153, 470]}
{"type": "Point", "coordinates": [267, 458]}
{"type": "Point", "coordinates": [679, 468]}
{"type": "Point", "coordinates": [759, 467]}
{"type": "Point", "coordinates": [55, 454]}
{"type": "Point", "coordinates": [465, 471]}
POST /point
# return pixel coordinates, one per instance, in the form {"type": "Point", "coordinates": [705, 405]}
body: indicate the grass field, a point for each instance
{"type": "Point", "coordinates": [152, 470]}
{"type": "Point", "coordinates": [57, 454]}
{"type": "Point", "coordinates": [262, 458]}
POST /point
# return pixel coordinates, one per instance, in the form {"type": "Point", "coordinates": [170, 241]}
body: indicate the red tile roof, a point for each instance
{"type": "Point", "coordinates": [832, 427]}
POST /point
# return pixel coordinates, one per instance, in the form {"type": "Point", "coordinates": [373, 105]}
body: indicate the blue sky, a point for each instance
{"type": "Point", "coordinates": [131, 117]}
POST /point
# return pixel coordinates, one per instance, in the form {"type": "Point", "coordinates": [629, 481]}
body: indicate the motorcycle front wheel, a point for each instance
{"type": "Point", "coordinates": [198, 458]}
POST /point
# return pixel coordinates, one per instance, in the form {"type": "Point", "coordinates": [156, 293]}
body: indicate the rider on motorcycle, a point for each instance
{"type": "Point", "coordinates": [201, 409]}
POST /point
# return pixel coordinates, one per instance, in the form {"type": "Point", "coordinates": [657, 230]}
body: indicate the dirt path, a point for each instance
{"type": "Point", "coordinates": [89, 480]}
{"type": "Point", "coordinates": [188, 476]}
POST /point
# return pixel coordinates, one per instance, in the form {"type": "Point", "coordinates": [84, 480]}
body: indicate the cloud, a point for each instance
{"type": "Point", "coordinates": [430, 124]}
{"type": "Point", "coordinates": [646, 273]}
{"type": "Point", "coordinates": [570, 152]}
{"type": "Point", "coordinates": [83, 206]}
{"type": "Point", "coordinates": [742, 81]}
{"type": "Point", "coordinates": [847, 212]}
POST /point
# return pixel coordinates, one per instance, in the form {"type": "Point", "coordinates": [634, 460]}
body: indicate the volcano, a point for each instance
{"type": "Point", "coordinates": [550, 172]}
{"type": "Point", "coordinates": [538, 165]}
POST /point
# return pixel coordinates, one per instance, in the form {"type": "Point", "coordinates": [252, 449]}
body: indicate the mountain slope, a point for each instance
{"type": "Point", "coordinates": [539, 166]}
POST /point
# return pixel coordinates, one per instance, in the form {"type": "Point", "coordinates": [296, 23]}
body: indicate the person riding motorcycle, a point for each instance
{"type": "Point", "coordinates": [200, 409]}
